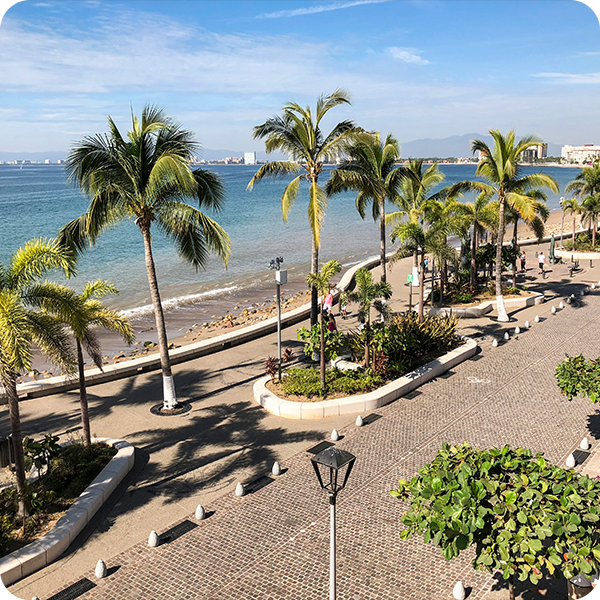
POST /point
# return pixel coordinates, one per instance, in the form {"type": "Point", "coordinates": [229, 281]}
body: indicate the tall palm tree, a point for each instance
{"type": "Point", "coordinates": [369, 295]}
{"type": "Point", "coordinates": [89, 313]}
{"type": "Point", "coordinates": [297, 133]}
{"type": "Point", "coordinates": [414, 193]}
{"type": "Point", "coordinates": [26, 320]}
{"type": "Point", "coordinates": [479, 216]}
{"type": "Point", "coordinates": [587, 182]}
{"type": "Point", "coordinates": [369, 169]}
{"type": "Point", "coordinates": [499, 166]}
{"type": "Point", "coordinates": [574, 208]}
{"type": "Point", "coordinates": [321, 281]}
{"type": "Point", "coordinates": [590, 212]}
{"type": "Point", "coordinates": [146, 177]}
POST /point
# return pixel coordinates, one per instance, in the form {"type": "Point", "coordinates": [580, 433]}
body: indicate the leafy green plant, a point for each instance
{"type": "Point", "coordinates": [463, 298]}
{"type": "Point", "coordinates": [576, 376]}
{"type": "Point", "coordinates": [521, 514]}
{"type": "Point", "coordinates": [40, 453]}
{"type": "Point", "coordinates": [306, 382]}
{"type": "Point", "coordinates": [334, 341]}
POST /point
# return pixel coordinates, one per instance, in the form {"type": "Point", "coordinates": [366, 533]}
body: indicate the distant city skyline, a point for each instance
{"type": "Point", "coordinates": [418, 69]}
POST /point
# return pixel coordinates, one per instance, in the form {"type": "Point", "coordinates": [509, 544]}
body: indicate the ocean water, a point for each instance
{"type": "Point", "coordinates": [35, 201]}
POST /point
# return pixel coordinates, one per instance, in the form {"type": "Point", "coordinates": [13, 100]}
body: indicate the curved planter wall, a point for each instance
{"type": "Point", "coordinates": [577, 255]}
{"type": "Point", "coordinates": [474, 312]}
{"type": "Point", "coordinates": [363, 402]}
{"type": "Point", "coordinates": [48, 548]}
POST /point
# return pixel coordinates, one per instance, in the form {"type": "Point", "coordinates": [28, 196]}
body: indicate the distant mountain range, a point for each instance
{"type": "Point", "coordinates": [453, 146]}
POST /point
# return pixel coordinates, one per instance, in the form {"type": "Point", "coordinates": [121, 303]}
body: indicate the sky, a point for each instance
{"type": "Point", "coordinates": [417, 68]}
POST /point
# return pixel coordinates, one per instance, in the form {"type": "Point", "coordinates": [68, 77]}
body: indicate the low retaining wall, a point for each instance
{"type": "Point", "coordinates": [144, 364]}
{"type": "Point", "coordinates": [577, 255]}
{"type": "Point", "coordinates": [474, 312]}
{"type": "Point", "coordinates": [364, 402]}
{"type": "Point", "coordinates": [48, 548]}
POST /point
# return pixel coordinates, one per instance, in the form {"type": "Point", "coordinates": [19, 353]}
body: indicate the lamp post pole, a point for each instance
{"type": "Point", "coordinates": [280, 277]}
{"type": "Point", "coordinates": [332, 569]}
{"type": "Point", "coordinates": [562, 223]}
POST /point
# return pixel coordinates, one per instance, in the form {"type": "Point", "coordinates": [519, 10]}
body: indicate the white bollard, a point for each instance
{"type": "Point", "coordinates": [359, 421]}
{"type": "Point", "coordinates": [239, 489]}
{"type": "Point", "coordinates": [276, 470]}
{"type": "Point", "coordinates": [553, 310]}
{"type": "Point", "coordinates": [569, 300]}
{"type": "Point", "coordinates": [561, 305]}
{"type": "Point", "coordinates": [593, 286]}
{"type": "Point", "coordinates": [517, 330]}
{"type": "Point", "coordinates": [101, 569]}
{"type": "Point", "coordinates": [570, 462]}
{"type": "Point", "coordinates": [581, 292]}
{"type": "Point", "coordinates": [153, 540]}
{"type": "Point", "coordinates": [572, 296]}
{"type": "Point", "coordinates": [335, 436]}
{"type": "Point", "coordinates": [587, 290]}
{"type": "Point", "coordinates": [585, 444]}
{"type": "Point", "coordinates": [507, 336]}
{"type": "Point", "coordinates": [527, 325]}
{"type": "Point", "coordinates": [200, 513]}
{"type": "Point", "coordinates": [537, 318]}
{"type": "Point", "coordinates": [495, 343]}
{"type": "Point", "coordinates": [459, 592]}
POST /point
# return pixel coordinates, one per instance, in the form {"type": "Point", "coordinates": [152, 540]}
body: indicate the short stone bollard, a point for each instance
{"type": "Point", "coordinates": [593, 286]}
{"type": "Point", "coordinates": [585, 444]}
{"type": "Point", "coordinates": [553, 310]}
{"type": "Point", "coordinates": [459, 592]}
{"type": "Point", "coordinates": [581, 292]}
{"type": "Point", "coordinates": [495, 343]}
{"type": "Point", "coordinates": [537, 319]}
{"type": "Point", "coordinates": [200, 513]}
{"type": "Point", "coordinates": [335, 436]}
{"type": "Point", "coordinates": [517, 330]}
{"type": "Point", "coordinates": [569, 300]}
{"type": "Point", "coordinates": [507, 336]}
{"type": "Point", "coordinates": [276, 470]}
{"type": "Point", "coordinates": [570, 462]}
{"type": "Point", "coordinates": [561, 305]}
{"type": "Point", "coordinates": [101, 570]}
{"type": "Point", "coordinates": [527, 325]}
{"type": "Point", "coordinates": [359, 421]}
{"type": "Point", "coordinates": [153, 540]}
{"type": "Point", "coordinates": [35, 598]}
{"type": "Point", "coordinates": [239, 489]}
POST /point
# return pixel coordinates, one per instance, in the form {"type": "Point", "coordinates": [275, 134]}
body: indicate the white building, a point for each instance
{"type": "Point", "coordinates": [249, 158]}
{"type": "Point", "coordinates": [535, 152]}
{"type": "Point", "coordinates": [580, 154]}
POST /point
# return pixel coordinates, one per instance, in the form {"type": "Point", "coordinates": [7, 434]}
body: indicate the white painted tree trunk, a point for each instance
{"type": "Point", "coordinates": [501, 309]}
{"type": "Point", "coordinates": [169, 396]}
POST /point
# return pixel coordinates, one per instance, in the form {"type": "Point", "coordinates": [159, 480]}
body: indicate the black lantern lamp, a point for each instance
{"type": "Point", "coordinates": [333, 467]}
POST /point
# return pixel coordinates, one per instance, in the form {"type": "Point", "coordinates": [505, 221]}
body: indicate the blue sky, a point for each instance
{"type": "Point", "coordinates": [418, 68]}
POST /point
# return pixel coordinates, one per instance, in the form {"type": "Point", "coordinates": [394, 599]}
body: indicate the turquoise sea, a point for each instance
{"type": "Point", "coordinates": [36, 201]}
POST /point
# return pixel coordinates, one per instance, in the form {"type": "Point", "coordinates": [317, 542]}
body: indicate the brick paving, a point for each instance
{"type": "Point", "coordinates": [273, 544]}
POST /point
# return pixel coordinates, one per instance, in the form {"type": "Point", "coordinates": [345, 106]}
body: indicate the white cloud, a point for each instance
{"type": "Point", "coordinates": [571, 78]}
{"type": "Point", "coordinates": [407, 55]}
{"type": "Point", "coordinates": [318, 8]}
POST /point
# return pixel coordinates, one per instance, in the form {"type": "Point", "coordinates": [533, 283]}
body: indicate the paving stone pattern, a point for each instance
{"type": "Point", "coordinates": [273, 544]}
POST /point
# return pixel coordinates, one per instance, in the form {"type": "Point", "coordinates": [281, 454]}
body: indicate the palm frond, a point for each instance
{"type": "Point", "coordinates": [274, 169]}
{"type": "Point", "coordinates": [317, 205]}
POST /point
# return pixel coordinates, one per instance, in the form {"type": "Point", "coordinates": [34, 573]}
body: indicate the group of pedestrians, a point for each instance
{"type": "Point", "coordinates": [541, 261]}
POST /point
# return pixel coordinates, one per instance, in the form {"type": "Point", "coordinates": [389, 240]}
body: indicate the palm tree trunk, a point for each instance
{"type": "Point", "coordinates": [514, 247]}
{"type": "Point", "coordinates": [421, 286]}
{"type": "Point", "coordinates": [367, 340]}
{"type": "Point", "coordinates": [83, 402]}
{"type": "Point", "coordinates": [511, 588]}
{"type": "Point", "coordinates": [10, 387]}
{"type": "Point", "coordinates": [594, 234]}
{"type": "Point", "coordinates": [169, 397]}
{"type": "Point", "coordinates": [382, 240]}
{"type": "Point", "coordinates": [322, 363]}
{"type": "Point", "coordinates": [573, 233]}
{"type": "Point", "coordinates": [473, 262]}
{"type": "Point", "coordinates": [314, 295]}
{"type": "Point", "coordinates": [500, 307]}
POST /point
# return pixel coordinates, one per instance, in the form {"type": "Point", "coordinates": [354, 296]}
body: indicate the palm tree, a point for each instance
{"type": "Point", "coordinates": [90, 313]}
{"type": "Point", "coordinates": [146, 176]}
{"type": "Point", "coordinates": [587, 183]}
{"type": "Point", "coordinates": [590, 211]}
{"type": "Point", "coordinates": [299, 135]}
{"type": "Point", "coordinates": [572, 206]}
{"type": "Point", "coordinates": [499, 167]}
{"type": "Point", "coordinates": [414, 194]}
{"type": "Point", "coordinates": [369, 170]}
{"type": "Point", "coordinates": [480, 216]}
{"type": "Point", "coordinates": [26, 320]}
{"type": "Point", "coordinates": [321, 281]}
{"type": "Point", "coordinates": [369, 295]}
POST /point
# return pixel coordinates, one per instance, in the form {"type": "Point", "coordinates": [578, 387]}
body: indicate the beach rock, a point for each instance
{"type": "Point", "coordinates": [100, 570]}
{"type": "Point", "coordinates": [171, 346]}
{"type": "Point", "coordinates": [34, 374]}
{"type": "Point", "coordinates": [118, 356]}
{"type": "Point", "coordinates": [153, 540]}
{"type": "Point", "coordinates": [239, 489]}
{"type": "Point", "coordinates": [200, 513]}
{"type": "Point", "coordinates": [570, 462]}
{"type": "Point", "coordinates": [276, 470]}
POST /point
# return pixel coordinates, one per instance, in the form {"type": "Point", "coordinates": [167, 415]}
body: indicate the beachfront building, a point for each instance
{"type": "Point", "coordinates": [249, 158]}
{"type": "Point", "coordinates": [535, 152]}
{"type": "Point", "coordinates": [580, 154]}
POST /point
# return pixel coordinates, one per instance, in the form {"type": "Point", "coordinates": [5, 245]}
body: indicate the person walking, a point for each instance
{"type": "Point", "coordinates": [523, 259]}
{"type": "Point", "coordinates": [328, 303]}
{"type": "Point", "coordinates": [331, 325]}
{"type": "Point", "coordinates": [344, 304]}
{"type": "Point", "coordinates": [541, 261]}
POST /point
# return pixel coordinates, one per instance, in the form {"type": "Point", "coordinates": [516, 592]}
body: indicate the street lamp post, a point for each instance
{"type": "Point", "coordinates": [281, 279]}
{"type": "Point", "coordinates": [333, 467]}
{"type": "Point", "coordinates": [562, 223]}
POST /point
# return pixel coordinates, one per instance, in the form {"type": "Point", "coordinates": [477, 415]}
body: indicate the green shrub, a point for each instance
{"type": "Point", "coordinates": [334, 341]}
{"type": "Point", "coordinates": [576, 376]}
{"type": "Point", "coordinates": [463, 298]}
{"type": "Point", "coordinates": [307, 382]}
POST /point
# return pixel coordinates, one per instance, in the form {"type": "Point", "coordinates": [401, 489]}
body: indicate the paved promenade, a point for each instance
{"type": "Point", "coordinates": [273, 543]}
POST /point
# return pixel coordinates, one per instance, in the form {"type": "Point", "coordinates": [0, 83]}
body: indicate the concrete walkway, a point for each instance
{"type": "Point", "coordinates": [273, 542]}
